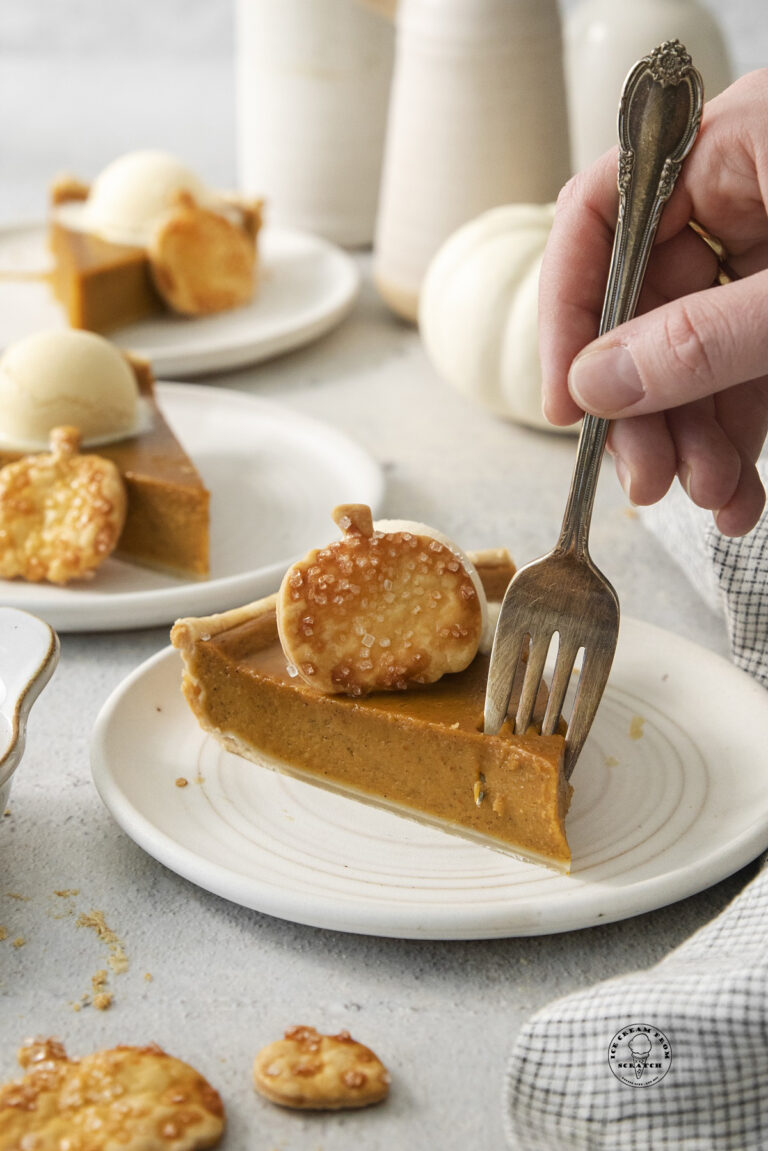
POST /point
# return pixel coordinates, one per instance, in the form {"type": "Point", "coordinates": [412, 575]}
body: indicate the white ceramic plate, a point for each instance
{"type": "Point", "coordinates": [29, 652]}
{"type": "Point", "coordinates": [274, 477]}
{"type": "Point", "coordinates": [307, 287]}
{"type": "Point", "coordinates": [671, 795]}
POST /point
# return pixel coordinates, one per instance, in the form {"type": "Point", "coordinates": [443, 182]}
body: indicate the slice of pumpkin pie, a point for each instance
{"type": "Point", "coordinates": [366, 675]}
{"type": "Point", "coordinates": [65, 378]}
{"type": "Point", "coordinates": [149, 238]}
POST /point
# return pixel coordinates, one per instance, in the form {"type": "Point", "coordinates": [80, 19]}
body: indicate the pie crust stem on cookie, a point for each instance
{"type": "Point", "coordinates": [420, 753]}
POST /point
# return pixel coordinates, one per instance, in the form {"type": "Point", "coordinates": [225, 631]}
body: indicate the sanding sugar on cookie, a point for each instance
{"type": "Point", "coordinates": [390, 604]}
{"type": "Point", "coordinates": [61, 513]}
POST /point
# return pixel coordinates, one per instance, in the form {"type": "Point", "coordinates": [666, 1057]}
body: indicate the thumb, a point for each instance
{"type": "Point", "coordinates": [681, 351]}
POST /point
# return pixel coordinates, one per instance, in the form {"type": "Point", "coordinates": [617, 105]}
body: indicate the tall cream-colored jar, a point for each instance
{"type": "Point", "coordinates": [313, 82]}
{"type": "Point", "coordinates": [604, 38]}
{"type": "Point", "coordinates": [477, 119]}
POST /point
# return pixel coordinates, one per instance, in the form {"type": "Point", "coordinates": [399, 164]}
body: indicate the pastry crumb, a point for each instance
{"type": "Point", "coordinates": [636, 727]}
{"type": "Point", "coordinates": [67, 892]}
{"type": "Point", "coordinates": [19, 941]}
{"type": "Point", "coordinates": [611, 761]}
{"type": "Point", "coordinates": [117, 960]}
{"type": "Point", "coordinates": [148, 976]}
{"type": "Point", "coordinates": [181, 781]}
{"type": "Point", "coordinates": [3, 933]}
{"type": "Point", "coordinates": [97, 922]}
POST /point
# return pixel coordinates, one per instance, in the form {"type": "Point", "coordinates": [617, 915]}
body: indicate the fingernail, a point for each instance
{"type": "Point", "coordinates": [606, 380]}
{"type": "Point", "coordinates": [624, 474]}
{"type": "Point", "coordinates": [684, 474]}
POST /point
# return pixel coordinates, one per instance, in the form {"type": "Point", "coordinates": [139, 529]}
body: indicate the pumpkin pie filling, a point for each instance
{"type": "Point", "coordinates": [420, 752]}
{"type": "Point", "coordinates": [101, 285]}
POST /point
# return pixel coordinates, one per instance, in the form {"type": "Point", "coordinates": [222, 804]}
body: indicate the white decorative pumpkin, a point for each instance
{"type": "Point", "coordinates": [478, 310]}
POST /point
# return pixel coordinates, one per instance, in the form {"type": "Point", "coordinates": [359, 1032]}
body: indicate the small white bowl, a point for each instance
{"type": "Point", "coordinates": [29, 652]}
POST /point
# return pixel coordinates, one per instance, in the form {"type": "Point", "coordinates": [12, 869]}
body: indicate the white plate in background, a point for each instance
{"type": "Point", "coordinates": [307, 286]}
{"type": "Point", "coordinates": [671, 796]}
{"type": "Point", "coordinates": [274, 478]}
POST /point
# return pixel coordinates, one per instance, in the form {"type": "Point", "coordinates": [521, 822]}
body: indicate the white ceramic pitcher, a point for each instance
{"type": "Point", "coordinates": [604, 38]}
{"type": "Point", "coordinates": [313, 82]}
{"type": "Point", "coordinates": [477, 119]}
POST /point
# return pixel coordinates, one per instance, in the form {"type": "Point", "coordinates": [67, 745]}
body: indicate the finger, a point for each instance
{"type": "Point", "coordinates": [573, 278]}
{"type": "Point", "coordinates": [722, 174]}
{"type": "Point", "coordinates": [576, 262]}
{"type": "Point", "coordinates": [745, 506]}
{"type": "Point", "coordinates": [644, 455]}
{"type": "Point", "coordinates": [689, 348]}
{"type": "Point", "coordinates": [708, 464]}
{"type": "Point", "coordinates": [742, 412]}
{"type": "Point", "coordinates": [574, 275]}
{"type": "Point", "coordinates": [678, 267]}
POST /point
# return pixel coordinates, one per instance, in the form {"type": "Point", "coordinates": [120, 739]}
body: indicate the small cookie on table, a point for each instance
{"type": "Point", "coordinates": [135, 1098]}
{"type": "Point", "coordinates": [313, 1072]}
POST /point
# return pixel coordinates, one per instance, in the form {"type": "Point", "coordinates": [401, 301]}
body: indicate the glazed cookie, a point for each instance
{"type": "Point", "coordinates": [309, 1071]}
{"type": "Point", "coordinates": [61, 513]}
{"type": "Point", "coordinates": [135, 1098]}
{"type": "Point", "coordinates": [201, 261]}
{"type": "Point", "coordinates": [388, 605]}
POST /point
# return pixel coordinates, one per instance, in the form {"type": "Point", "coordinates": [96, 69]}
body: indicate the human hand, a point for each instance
{"type": "Point", "coordinates": [686, 381]}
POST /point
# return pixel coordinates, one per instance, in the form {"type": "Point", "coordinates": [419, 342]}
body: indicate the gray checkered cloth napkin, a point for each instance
{"type": "Point", "coordinates": [589, 1072]}
{"type": "Point", "coordinates": [731, 575]}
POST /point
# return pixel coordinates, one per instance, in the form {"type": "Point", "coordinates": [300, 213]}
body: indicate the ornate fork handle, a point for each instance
{"type": "Point", "coordinates": [659, 118]}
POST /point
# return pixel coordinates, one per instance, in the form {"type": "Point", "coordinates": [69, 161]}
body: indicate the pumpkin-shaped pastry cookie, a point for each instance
{"type": "Point", "coordinates": [201, 261]}
{"type": "Point", "coordinates": [135, 1098]}
{"type": "Point", "coordinates": [61, 513]}
{"type": "Point", "coordinates": [309, 1071]}
{"type": "Point", "coordinates": [389, 605]}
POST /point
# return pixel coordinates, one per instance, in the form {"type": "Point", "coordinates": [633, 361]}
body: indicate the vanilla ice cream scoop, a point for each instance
{"type": "Point", "coordinates": [65, 377]}
{"type": "Point", "coordinates": [132, 193]}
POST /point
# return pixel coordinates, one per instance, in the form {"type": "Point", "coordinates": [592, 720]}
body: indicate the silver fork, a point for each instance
{"type": "Point", "coordinates": [564, 592]}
